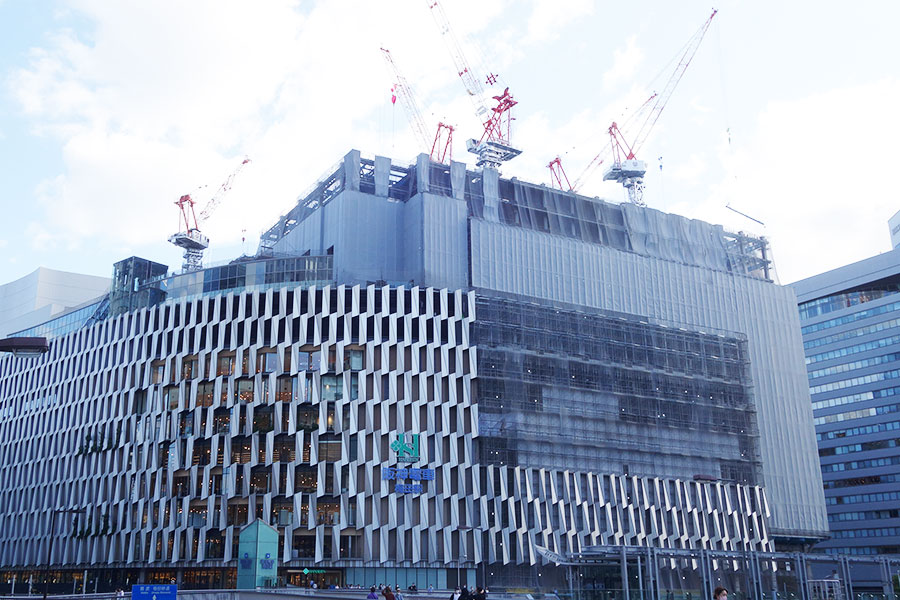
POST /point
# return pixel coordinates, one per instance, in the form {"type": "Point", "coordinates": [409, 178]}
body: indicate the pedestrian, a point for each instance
{"type": "Point", "coordinates": [430, 587]}
{"type": "Point", "coordinates": [456, 595]}
{"type": "Point", "coordinates": [373, 595]}
{"type": "Point", "coordinates": [387, 593]}
{"type": "Point", "coordinates": [480, 594]}
{"type": "Point", "coordinates": [397, 594]}
{"type": "Point", "coordinates": [465, 594]}
{"type": "Point", "coordinates": [720, 593]}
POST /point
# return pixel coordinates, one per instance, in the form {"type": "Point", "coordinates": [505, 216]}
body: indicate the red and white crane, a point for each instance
{"type": "Point", "coordinates": [189, 236]}
{"type": "Point", "coordinates": [625, 168]}
{"type": "Point", "coordinates": [442, 146]}
{"type": "Point", "coordinates": [493, 147]}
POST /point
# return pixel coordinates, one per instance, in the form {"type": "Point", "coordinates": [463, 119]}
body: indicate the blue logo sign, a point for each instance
{"type": "Point", "coordinates": [406, 452]}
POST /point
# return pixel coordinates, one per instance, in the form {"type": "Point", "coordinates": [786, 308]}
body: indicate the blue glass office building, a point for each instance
{"type": "Point", "coordinates": [850, 321]}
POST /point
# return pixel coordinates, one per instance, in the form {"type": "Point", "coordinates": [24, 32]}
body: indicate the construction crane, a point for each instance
{"type": "Point", "coordinates": [493, 147]}
{"type": "Point", "coordinates": [625, 168]}
{"type": "Point", "coordinates": [189, 237]}
{"type": "Point", "coordinates": [442, 146]}
{"type": "Point", "coordinates": [558, 174]}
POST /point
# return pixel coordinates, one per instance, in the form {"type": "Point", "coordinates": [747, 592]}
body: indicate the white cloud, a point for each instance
{"type": "Point", "coordinates": [157, 100]}
{"type": "Point", "coordinates": [549, 17]}
{"type": "Point", "coordinates": [625, 63]}
{"type": "Point", "coordinates": [689, 171]}
{"type": "Point", "coordinates": [815, 162]}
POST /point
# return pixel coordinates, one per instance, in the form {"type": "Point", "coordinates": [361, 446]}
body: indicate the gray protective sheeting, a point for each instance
{"type": "Point", "coordinates": [519, 261]}
{"type": "Point", "coordinates": [673, 237]}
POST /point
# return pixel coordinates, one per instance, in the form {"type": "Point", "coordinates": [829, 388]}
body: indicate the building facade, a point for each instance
{"type": "Point", "coordinates": [851, 333]}
{"type": "Point", "coordinates": [425, 375]}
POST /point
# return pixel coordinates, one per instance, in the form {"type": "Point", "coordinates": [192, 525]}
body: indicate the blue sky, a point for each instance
{"type": "Point", "coordinates": [109, 111]}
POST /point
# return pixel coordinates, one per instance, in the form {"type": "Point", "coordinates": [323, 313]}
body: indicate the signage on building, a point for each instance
{"type": "Point", "coordinates": [402, 474]}
{"type": "Point", "coordinates": [406, 452]}
{"type": "Point", "coordinates": [154, 592]}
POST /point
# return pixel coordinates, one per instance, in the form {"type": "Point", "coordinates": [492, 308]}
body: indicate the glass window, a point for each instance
{"type": "Point", "coordinates": [329, 450]}
{"type": "Point", "coordinates": [243, 391]}
{"type": "Point", "coordinates": [189, 368]}
{"type": "Point", "coordinates": [172, 398]}
{"type": "Point", "coordinates": [225, 364]}
{"type": "Point", "coordinates": [353, 360]}
{"type": "Point", "coordinates": [266, 362]}
{"type": "Point", "coordinates": [332, 388]}
{"type": "Point", "coordinates": [307, 418]}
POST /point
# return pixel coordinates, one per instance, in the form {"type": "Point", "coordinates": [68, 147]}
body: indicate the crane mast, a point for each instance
{"type": "Point", "coordinates": [189, 237]}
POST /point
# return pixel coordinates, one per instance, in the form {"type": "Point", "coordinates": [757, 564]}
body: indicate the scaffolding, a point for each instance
{"type": "Point", "coordinates": [570, 389]}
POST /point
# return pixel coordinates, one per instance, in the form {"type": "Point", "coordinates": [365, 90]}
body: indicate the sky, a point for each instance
{"type": "Point", "coordinates": [110, 111]}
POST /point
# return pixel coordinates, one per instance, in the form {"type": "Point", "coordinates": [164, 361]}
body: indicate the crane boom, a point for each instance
{"type": "Point", "coordinates": [625, 168]}
{"type": "Point", "coordinates": [663, 98]}
{"type": "Point", "coordinates": [220, 193]}
{"type": "Point", "coordinates": [473, 86]}
{"type": "Point", "coordinates": [408, 99]}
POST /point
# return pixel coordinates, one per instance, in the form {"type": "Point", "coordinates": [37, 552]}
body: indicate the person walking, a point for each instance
{"type": "Point", "coordinates": [387, 593]}
{"type": "Point", "coordinates": [720, 593]}
{"type": "Point", "coordinates": [456, 595]}
{"type": "Point", "coordinates": [480, 594]}
{"type": "Point", "coordinates": [373, 595]}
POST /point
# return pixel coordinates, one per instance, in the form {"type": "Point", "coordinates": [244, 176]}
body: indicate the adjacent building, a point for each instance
{"type": "Point", "coordinates": [426, 374]}
{"type": "Point", "coordinates": [850, 320]}
{"type": "Point", "coordinates": [48, 294]}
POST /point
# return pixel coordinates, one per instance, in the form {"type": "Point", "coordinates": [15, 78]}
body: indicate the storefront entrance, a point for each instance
{"type": "Point", "coordinates": [323, 578]}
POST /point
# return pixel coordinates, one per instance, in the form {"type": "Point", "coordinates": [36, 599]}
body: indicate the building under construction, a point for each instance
{"type": "Point", "coordinates": [426, 375]}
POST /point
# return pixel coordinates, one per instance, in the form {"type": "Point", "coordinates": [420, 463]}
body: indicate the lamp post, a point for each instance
{"type": "Point", "coordinates": [53, 514]}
